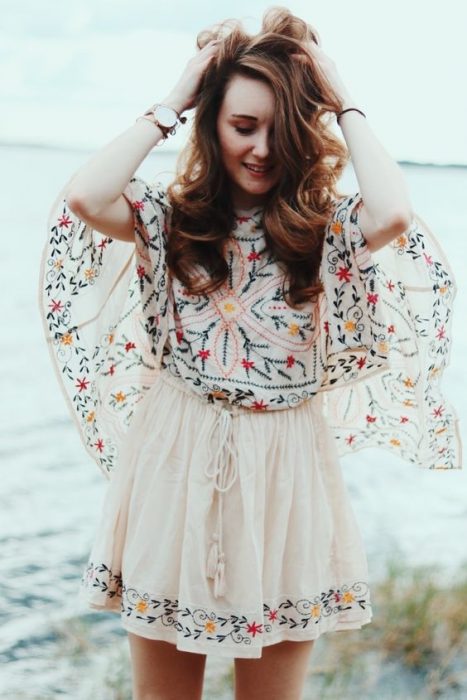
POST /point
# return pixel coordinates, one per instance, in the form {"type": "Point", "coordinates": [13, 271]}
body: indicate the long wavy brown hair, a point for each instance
{"type": "Point", "coordinates": [312, 159]}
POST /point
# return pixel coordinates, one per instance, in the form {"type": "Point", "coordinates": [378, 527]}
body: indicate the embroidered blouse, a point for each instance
{"type": "Point", "coordinates": [376, 341]}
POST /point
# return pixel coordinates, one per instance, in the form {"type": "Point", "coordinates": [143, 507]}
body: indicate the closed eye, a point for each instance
{"type": "Point", "coordinates": [243, 131]}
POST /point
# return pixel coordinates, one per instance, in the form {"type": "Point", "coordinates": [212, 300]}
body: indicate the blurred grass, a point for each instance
{"type": "Point", "coordinates": [414, 648]}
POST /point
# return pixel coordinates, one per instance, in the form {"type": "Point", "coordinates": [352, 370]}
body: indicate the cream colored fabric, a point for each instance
{"type": "Point", "coordinates": [295, 565]}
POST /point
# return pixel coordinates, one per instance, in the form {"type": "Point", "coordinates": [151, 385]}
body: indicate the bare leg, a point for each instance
{"type": "Point", "coordinates": [161, 672]}
{"type": "Point", "coordinates": [278, 675]}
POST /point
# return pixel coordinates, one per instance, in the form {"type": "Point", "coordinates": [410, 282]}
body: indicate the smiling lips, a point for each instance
{"type": "Point", "coordinates": [256, 169]}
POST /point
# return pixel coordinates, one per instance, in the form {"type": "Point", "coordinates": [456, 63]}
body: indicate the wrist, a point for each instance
{"type": "Point", "coordinates": [175, 102]}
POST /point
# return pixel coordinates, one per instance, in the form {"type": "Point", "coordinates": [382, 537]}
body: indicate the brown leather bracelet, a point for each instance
{"type": "Point", "coordinates": [350, 109]}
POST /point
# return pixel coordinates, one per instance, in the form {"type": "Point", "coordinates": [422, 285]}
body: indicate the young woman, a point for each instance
{"type": "Point", "coordinates": [222, 340]}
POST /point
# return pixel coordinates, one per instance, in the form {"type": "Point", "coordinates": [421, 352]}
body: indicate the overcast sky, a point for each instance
{"type": "Point", "coordinates": [79, 73]}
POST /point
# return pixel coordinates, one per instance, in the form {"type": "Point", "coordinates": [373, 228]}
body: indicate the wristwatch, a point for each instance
{"type": "Point", "coordinates": [165, 118]}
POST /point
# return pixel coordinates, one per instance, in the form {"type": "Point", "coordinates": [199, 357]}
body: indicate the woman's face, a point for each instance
{"type": "Point", "coordinates": [245, 126]}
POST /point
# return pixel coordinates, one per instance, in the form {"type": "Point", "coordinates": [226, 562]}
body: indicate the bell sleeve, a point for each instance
{"type": "Point", "coordinates": [387, 320]}
{"type": "Point", "coordinates": [103, 304]}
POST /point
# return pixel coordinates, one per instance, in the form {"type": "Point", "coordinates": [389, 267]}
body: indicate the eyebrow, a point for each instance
{"type": "Point", "coordinates": [245, 116]}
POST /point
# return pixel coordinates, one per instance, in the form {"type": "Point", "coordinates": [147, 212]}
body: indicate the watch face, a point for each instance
{"type": "Point", "coordinates": [165, 115]}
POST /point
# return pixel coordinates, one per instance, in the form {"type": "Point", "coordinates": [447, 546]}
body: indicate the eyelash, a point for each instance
{"type": "Point", "coordinates": [243, 131]}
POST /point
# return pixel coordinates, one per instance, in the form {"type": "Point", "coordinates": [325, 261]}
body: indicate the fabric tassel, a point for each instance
{"type": "Point", "coordinates": [213, 558]}
{"type": "Point", "coordinates": [219, 580]}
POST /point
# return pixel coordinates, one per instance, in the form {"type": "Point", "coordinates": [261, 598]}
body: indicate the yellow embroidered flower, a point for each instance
{"type": "Point", "coordinates": [395, 442]}
{"type": "Point", "coordinates": [89, 273]}
{"type": "Point", "coordinates": [440, 430]}
{"type": "Point", "coordinates": [229, 307]}
{"type": "Point", "coordinates": [408, 403]}
{"type": "Point", "coordinates": [348, 597]}
{"type": "Point", "coordinates": [217, 394]}
{"type": "Point", "coordinates": [120, 396]}
{"type": "Point", "coordinates": [90, 417]}
{"type": "Point", "coordinates": [443, 290]}
{"type": "Point", "coordinates": [383, 346]}
{"type": "Point", "coordinates": [349, 325]}
{"type": "Point", "coordinates": [316, 610]}
{"type": "Point", "coordinates": [293, 329]}
{"type": "Point", "coordinates": [58, 264]}
{"type": "Point", "coordinates": [110, 337]}
{"type": "Point", "coordinates": [434, 371]}
{"type": "Point", "coordinates": [66, 339]}
{"type": "Point", "coordinates": [408, 382]}
{"type": "Point", "coordinates": [210, 626]}
{"type": "Point", "coordinates": [401, 241]}
{"type": "Point", "coordinates": [141, 606]}
{"type": "Point", "coordinates": [337, 228]}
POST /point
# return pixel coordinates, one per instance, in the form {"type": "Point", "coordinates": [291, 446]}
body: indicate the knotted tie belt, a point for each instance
{"type": "Point", "coordinates": [222, 466]}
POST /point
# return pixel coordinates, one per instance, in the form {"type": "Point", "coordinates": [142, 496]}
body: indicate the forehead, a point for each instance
{"type": "Point", "coordinates": [249, 97]}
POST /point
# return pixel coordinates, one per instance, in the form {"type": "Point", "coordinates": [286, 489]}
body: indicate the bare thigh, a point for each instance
{"type": "Point", "coordinates": [279, 674]}
{"type": "Point", "coordinates": [161, 672]}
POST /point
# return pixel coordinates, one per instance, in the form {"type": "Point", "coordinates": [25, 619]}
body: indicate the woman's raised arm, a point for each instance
{"type": "Point", "coordinates": [94, 193]}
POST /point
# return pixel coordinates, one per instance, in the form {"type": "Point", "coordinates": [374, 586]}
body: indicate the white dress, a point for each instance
{"type": "Point", "coordinates": [219, 420]}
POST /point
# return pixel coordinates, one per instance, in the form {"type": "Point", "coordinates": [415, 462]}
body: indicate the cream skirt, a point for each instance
{"type": "Point", "coordinates": [224, 529]}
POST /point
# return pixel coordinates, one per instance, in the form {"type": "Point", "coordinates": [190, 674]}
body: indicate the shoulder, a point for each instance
{"type": "Point", "coordinates": [142, 192]}
{"type": "Point", "coordinates": [346, 207]}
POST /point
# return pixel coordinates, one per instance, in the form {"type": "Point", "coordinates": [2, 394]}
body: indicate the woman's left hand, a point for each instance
{"type": "Point", "coordinates": [328, 69]}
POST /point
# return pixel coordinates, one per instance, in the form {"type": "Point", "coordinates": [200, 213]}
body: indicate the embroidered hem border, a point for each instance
{"type": "Point", "coordinates": [280, 616]}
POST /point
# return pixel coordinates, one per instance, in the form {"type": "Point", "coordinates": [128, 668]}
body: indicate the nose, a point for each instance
{"type": "Point", "coordinates": [262, 146]}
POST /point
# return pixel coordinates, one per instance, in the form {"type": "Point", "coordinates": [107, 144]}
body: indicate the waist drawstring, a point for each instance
{"type": "Point", "coordinates": [224, 471]}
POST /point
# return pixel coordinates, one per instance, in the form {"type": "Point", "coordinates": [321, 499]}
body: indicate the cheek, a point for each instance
{"type": "Point", "coordinates": [232, 147]}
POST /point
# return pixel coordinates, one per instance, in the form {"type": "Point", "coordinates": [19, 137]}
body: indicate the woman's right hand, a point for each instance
{"type": "Point", "coordinates": [184, 93]}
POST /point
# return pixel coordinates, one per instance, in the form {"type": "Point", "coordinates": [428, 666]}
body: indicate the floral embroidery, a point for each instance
{"type": "Point", "coordinates": [113, 319]}
{"type": "Point", "coordinates": [405, 334]}
{"type": "Point", "coordinates": [232, 627]}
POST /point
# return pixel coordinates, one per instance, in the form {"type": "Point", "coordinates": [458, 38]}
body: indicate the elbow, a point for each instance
{"type": "Point", "coordinates": [398, 223]}
{"type": "Point", "coordinates": [81, 205]}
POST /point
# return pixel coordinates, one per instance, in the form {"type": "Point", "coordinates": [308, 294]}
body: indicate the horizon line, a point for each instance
{"type": "Point", "coordinates": [83, 149]}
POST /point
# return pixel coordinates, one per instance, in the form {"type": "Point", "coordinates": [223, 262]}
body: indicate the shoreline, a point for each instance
{"type": "Point", "coordinates": [64, 148]}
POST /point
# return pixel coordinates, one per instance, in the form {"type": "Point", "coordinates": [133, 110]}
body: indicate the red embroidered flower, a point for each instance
{"type": "Point", "coordinates": [272, 615]}
{"type": "Point", "coordinates": [259, 405]}
{"type": "Point", "coordinates": [248, 364]}
{"type": "Point", "coordinates": [254, 256]}
{"type": "Point", "coordinates": [391, 329]}
{"type": "Point", "coordinates": [111, 369]}
{"type": "Point", "coordinates": [204, 354]}
{"type": "Point", "coordinates": [350, 439]}
{"type": "Point", "coordinates": [138, 205]}
{"type": "Point", "coordinates": [290, 360]}
{"type": "Point", "coordinates": [129, 346]}
{"type": "Point", "coordinates": [337, 597]}
{"type": "Point", "coordinates": [343, 273]}
{"type": "Point", "coordinates": [179, 335]}
{"type": "Point", "coordinates": [99, 445]}
{"type": "Point", "coordinates": [370, 419]}
{"type": "Point", "coordinates": [103, 243]}
{"type": "Point", "coordinates": [441, 333]}
{"type": "Point", "coordinates": [428, 259]}
{"type": "Point", "coordinates": [253, 628]}
{"type": "Point", "coordinates": [438, 412]}
{"type": "Point", "coordinates": [82, 384]}
{"type": "Point", "coordinates": [390, 285]}
{"type": "Point", "coordinates": [64, 220]}
{"type": "Point", "coordinates": [55, 306]}
{"type": "Point", "coordinates": [372, 298]}
{"type": "Point", "coordinates": [361, 362]}
{"type": "Point", "coordinates": [404, 419]}
{"type": "Point", "coordinates": [326, 326]}
{"type": "Point", "coordinates": [140, 271]}
{"type": "Point", "coordinates": [242, 219]}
